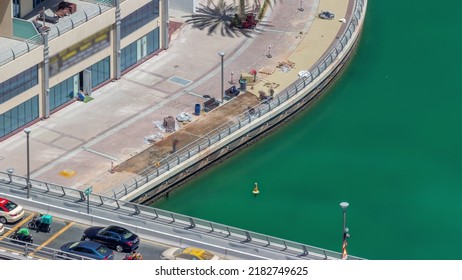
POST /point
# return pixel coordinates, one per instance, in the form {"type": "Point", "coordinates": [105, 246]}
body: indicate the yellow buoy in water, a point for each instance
{"type": "Point", "coordinates": [255, 189]}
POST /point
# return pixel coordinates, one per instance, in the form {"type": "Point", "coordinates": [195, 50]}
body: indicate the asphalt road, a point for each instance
{"type": "Point", "coordinates": [63, 231]}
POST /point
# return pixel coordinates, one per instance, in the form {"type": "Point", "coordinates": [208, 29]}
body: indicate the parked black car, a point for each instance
{"type": "Point", "coordinates": [116, 237]}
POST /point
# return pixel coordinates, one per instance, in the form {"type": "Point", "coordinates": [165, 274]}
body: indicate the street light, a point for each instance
{"type": "Point", "coordinates": [222, 54]}
{"type": "Point", "coordinates": [344, 206]}
{"type": "Point", "coordinates": [27, 131]}
{"type": "Point", "coordinates": [301, 6]}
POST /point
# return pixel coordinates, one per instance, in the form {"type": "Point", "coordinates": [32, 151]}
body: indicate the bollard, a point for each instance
{"type": "Point", "coordinates": [269, 52]}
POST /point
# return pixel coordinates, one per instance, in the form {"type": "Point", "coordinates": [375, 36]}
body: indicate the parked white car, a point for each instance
{"type": "Point", "coordinates": [10, 212]}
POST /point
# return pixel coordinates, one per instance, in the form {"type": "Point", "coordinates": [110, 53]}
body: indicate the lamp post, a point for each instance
{"type": "Point", "coordinates": [222, 54]}
{"type": "Point", "coordinates": [27, 131]}
{"type": "Point", "coordinates": [301, 6]}
{"type": "Point", "coordinates": [344, 206]}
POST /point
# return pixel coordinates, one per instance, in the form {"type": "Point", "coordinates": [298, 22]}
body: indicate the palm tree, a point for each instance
{"type": "Point", "coordinates": [217, 16]}
{"type": "Point", "coordinates": [243, 3]}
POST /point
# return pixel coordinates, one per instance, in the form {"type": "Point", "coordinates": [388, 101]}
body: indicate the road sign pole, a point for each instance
{"type": "Point", "coordinates": [88, 192]}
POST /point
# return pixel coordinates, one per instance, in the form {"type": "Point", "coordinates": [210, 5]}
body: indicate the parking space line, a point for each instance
{"type": "Point", "coordinates": [13, 229]}
{"type": "Point", "coordinates": [156, 243]}
{"type": "Point", "coordinates": [52, 238]}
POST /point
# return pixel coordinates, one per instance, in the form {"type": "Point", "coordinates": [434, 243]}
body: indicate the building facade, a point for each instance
{"type": "Point", "coordinates": [75, 47]}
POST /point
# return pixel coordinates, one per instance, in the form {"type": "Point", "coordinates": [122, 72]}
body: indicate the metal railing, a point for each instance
{"type": "Point", "coordinates": [20, 49]}
{"type": "Point", "coordinates": [244, 119]}
{"type": "Point", "coordinates": [143, 213]}
{"type": "Point", "coordinates": [81, 16]}
{"type": "Point", "coordinates": [35, 251]}
{"type": "Point", "coordinates": [110, 3]}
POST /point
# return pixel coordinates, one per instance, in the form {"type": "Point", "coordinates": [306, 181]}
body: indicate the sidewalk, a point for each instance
{"type": "Point", "coordinates": [76, 146]}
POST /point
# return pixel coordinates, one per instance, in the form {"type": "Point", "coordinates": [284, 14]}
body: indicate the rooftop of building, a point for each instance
{"type": "Point", "coordinates": [58, 17]}
{"type": "Point", "coordinates": [54, 16]}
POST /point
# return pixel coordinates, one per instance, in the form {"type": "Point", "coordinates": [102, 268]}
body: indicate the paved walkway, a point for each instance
{"type": "Point", "coordinates": [75, 146]}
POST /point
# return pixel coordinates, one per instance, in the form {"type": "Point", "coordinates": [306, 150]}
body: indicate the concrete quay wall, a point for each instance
{"type": "Point", "coordinates": [300, 94]}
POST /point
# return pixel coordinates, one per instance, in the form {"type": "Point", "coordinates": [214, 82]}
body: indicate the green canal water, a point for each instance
{"type": "Point", "coordinates": [386, 138]}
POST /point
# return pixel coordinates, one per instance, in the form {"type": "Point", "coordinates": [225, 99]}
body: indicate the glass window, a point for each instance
{"type": "Point", "coordinates": [153, 41]}
{"type": "Point", "coordinates": [1, 93]}
{"type": "Point", "coordinates": [122, 59]}
{"type": "Point", "coordinates": [56, 95]}
{"type": "Point", "coordinates": [52, 97]}
{"type": "Point", "coordinates": [14, 118]}
{"type": "Point", "coordinates": [35, 107]}
{"type": "Point", "coordinates": [100, 71]}
{"type": "Point", "coordinates": [22, 113]}
{"type": "Point", "coordinates": [61, 93]}
{"type": "Point", "coordinates": [2, 126]}
{"type": "Point", "coordinates": [6, 86]}
{"type": "Point", "coordinates": [53, 92]}
{"type": "Point", "coordinates": [139, 18]}
{"type": "Point", "coordinates": [28, 112]}
{"type": "Point", "coordinates": [70, 87]}
{"type": "Point", "coordinates": [129, 56]}
{"type": "Point", "coordinates": [18, 84]}
{"type": "Point", "coordinates": [14, 83]}
{"type": "Point", "coordinates": [94, 73]}
{"type": "Point", "coordinates": [7, 121]}
{"type": "Point", "coordinates": [34, 75]}
{"type": "Point", "coordinates": [28, 79]}
{"type": "Point", "coordinates": [21, 82]}
{"type": "Point", "coordinates": [7, 95]}
{"type": "Point", "coordinates": [135, 52]}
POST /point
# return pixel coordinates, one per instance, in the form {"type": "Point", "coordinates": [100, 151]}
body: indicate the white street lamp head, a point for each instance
{"type": "Point", "coordinates": [344, 205]}
{"type": "Point", "coordinates": [27, 130]}
{"type": "Point", "coordinates": [221, 54]}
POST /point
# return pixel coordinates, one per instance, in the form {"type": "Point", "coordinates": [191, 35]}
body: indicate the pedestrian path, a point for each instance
{"type": "Point", "coordinates": [88, 139]}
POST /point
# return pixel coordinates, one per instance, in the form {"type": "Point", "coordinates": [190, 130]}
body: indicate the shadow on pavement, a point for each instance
{"type": "Point", "coordinates": [217, 19]}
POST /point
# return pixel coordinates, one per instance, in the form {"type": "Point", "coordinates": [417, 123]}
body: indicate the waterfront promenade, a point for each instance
{"type": "Point", "coordinates": [76, 146]}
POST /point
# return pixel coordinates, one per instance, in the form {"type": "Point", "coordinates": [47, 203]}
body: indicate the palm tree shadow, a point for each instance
{"type": "Point", "coordinates": [217, 19]}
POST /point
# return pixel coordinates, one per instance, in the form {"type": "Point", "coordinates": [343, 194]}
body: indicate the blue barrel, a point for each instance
{"type": "Point", "coordinates": [197, 109]}
{"type": "Point", "coordinates": [243, 85]}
